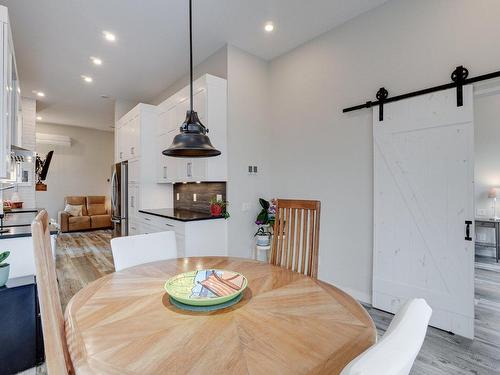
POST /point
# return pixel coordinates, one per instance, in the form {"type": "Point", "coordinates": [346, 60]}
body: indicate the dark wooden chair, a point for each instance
{"type": "Point", "coordinates": [296, 236]}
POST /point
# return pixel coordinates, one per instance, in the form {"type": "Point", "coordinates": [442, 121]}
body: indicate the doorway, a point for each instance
{"type": "Point", "coordinates": [487, 210]}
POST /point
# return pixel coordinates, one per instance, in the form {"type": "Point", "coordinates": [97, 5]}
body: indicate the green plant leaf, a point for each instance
{"type": "Point", "coordinates": [264, 203]}
{"type": "Point", "coordinates": [4, 256]}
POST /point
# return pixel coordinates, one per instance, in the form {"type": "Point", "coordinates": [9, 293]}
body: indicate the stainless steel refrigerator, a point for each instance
{"type": "Point", "coordinates": [119, 199]}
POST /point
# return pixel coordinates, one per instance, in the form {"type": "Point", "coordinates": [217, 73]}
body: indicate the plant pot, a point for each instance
{"type": "Point", "coordinates": [215, 210]}
{"type": "Point", "coordinates": [4, 274]}
{"type": "Point", "coordinates": [263, 239]}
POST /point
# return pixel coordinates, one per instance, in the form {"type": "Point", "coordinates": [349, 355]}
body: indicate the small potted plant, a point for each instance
{"type": "Point", "coordinates": [4, 268]}
{"type": "Point", "coordinates": [219, 208]}
{"type": "Point", "coordinates": [265, 221]}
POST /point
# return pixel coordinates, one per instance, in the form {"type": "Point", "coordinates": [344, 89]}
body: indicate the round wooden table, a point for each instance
{"type": "Point", "coordinates": [286, 323]}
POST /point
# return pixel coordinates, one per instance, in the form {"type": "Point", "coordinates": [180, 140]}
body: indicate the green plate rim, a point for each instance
{"type": "Point", "coordinates": [206, 301]}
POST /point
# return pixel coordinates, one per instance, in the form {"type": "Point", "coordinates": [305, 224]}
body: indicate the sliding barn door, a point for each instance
{"type": "Point", "coordinates": [423, 197]}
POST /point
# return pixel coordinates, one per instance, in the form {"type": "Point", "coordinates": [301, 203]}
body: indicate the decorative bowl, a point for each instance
{"type": "Point", "coordinates": [206, 287]}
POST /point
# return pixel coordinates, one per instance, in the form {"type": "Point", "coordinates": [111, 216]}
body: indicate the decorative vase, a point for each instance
{"type": "Point", "coordinates": [4, 274]}
{"type": "Point", "coordinates": [215, 210]}
{"type": "Point", "coordinates": [263, 239]}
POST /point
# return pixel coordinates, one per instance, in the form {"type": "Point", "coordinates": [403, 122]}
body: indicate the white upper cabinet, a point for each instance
{"type": "Point", "coordinates": [210, 102]}
{"type": "Point", "coordinates": [10, 116]}
{"type": "Point", "coordinates": [128, 136]}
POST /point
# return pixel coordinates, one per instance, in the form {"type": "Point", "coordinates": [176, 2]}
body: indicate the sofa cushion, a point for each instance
{"type": "Point", "coordinates": [79, 222]}
{"type": "Point", "coordinates": [100, 221]}
{"type": "Point", "coordinates": [77, 201]}
{"type": "Point", "coordinates": [73, 210]}
{"type": "Point", "coordinates": [96, 205]}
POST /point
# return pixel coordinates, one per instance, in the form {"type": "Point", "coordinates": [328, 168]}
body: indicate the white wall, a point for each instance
{"type": "Point", "coordinates": [324, 154]}
{"type": "Point", "coordinates": [122, 107]}
{"type": "Point", "coordinates": [82, 169]}
{"type": "Point", "coordinates": [248, 144]}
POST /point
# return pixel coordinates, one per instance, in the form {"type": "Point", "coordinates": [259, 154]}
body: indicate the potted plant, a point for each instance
{"type": "Point", "coordinates": [4, 268]}
{"type": "Point", "coordinates": [265, 221]}
{"type": "Point", "coordinates": [219, 208]}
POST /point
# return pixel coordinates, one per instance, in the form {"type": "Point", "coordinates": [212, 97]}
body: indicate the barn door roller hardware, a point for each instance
{"type": "Point", "coordinates": [459, 78]}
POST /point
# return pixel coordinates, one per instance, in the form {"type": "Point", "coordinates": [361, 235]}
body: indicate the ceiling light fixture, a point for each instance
{"type": "Point", "coordinates": [87, 79]}
{"type": "Point", "coordinates": [110, 37]}
{"type": "Point", "coordinates": [38, 93]}
{"type": "Point", "coordinates": [269, 27]}
{"type": "Point", "coordinates": [39, 118]}
{"type": "Point", "coordinates": [96, 60]}
{"type": "Point", "coordinates": [192, 140]}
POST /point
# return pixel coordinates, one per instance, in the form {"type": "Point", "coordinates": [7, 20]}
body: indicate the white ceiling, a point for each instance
{"type": "Point", "coordinates": [54, 40]}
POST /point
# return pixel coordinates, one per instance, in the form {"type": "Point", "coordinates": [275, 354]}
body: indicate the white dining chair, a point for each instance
{"type": "Point", "coordinates": [396, 351]}
{"type": "Point", "coordinates": [130, 251]}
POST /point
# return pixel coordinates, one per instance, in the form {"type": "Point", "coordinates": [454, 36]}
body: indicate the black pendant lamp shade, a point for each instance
{"type": "Point", "coordinates": [192, 142]}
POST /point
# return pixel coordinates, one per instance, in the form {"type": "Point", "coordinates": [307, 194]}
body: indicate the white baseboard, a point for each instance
{"type": "Point", "coordinates": [356, 294]}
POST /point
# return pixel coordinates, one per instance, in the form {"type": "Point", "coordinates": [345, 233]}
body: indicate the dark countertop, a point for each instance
{"type": "Point", "coordinates": [22, 210]}
{"type": "Point", "coordinates": [180, 215]}
{"type": "Point", "coordinates": [20, 225]}
{"type": "Point", "coordinates": [22, 231]}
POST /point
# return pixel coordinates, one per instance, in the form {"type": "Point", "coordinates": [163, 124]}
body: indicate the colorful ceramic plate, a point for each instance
{"type": "Point", "coordinates": [220, 306]}
{"type": "Point", "coordinates": [206, 287]}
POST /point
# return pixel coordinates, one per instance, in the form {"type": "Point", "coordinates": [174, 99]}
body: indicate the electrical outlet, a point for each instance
{"type": "Point", "coordinates": [178, 196]}
{"type": "Point", "coordinates": [250, 169]}
{"type": "Point", "coordinates": [254, 169]}
{"type": "Point", "coordinates": [194, 197]}
{"type": "Point", "coordinates": [219, 197]}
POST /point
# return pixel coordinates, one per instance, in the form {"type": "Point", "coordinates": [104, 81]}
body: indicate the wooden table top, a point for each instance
{"type": "Point", "coordinates": [287, 323]}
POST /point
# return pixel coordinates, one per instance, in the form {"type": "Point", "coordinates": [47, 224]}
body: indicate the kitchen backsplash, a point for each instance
{"type": "Point", "coordinates": [184, 195]}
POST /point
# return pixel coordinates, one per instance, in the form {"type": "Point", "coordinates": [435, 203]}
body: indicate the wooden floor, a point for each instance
{"type": "Point", "coordinates": [84, 257]}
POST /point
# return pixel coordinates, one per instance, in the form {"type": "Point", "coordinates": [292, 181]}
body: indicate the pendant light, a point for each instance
{"type": "Point", "coordinates": [192, 142]}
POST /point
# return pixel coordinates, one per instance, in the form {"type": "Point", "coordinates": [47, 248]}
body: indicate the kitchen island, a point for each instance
{"type": "Point", "coordinates": [197, 233]}
{"type": "Point", "coordinates": [15, 237]}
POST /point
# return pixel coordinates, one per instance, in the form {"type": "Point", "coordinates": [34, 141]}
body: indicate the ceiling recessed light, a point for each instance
{"type": "Point", "coordinates": [96, 60]}
{"type": "Point", "coordinates": [110, 37]}
{"type": "Point", "coordinates": [39, 118]}
{"type": "Point", "coordinates": [38, 93]}
{"type": "Point", "coordinates": [269, 27]}
{"type": "Point", "coordinates": [87, 79]}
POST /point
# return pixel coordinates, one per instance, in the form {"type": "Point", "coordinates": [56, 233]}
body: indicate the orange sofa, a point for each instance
{"type": "Point", "coordinates": [95, 214]}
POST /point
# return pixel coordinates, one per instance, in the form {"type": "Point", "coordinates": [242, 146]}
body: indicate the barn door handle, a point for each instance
{"type": "Point", "coordinates": [468, 223]}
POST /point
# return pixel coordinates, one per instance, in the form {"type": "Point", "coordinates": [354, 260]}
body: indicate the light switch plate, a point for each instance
{"type": "Point", "coordinates": [219, 197]}
{"type": "Point", "coordinates": [178, 196]}
{"type": "Point", "coordinates": [194, 197]}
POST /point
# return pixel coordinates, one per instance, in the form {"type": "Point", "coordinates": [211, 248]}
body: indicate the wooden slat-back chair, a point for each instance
{"type": "Point", "coordinates": [296, 236]}
{"type": "Point", "coordinates": [57, 357]}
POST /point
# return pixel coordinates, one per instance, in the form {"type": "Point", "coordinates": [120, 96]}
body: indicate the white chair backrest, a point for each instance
{"type": "Point", "coordinates": [396, 351]}
{"type": "Point", "coordinates": [144, 248]}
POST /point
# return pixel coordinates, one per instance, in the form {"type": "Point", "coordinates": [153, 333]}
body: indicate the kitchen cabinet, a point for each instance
{"type": "Point", "coordinates": [191, 169]}
{"type": "Point", "coordinates": [194, 238]}
{"type": "Point", "coordinates": [166, 167]}
{"type": "Point", "coordinates": [128, 135]}
{"type": "Point", "coordinates": [10, 119]}
{"type": "Point", "coordinates": [20, 326]}
{"type": "Point", "coordinates": [210, 101]}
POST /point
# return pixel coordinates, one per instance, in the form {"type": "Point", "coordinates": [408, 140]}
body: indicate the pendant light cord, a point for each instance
{"type": "Point", "coordinates": [191, 54]}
